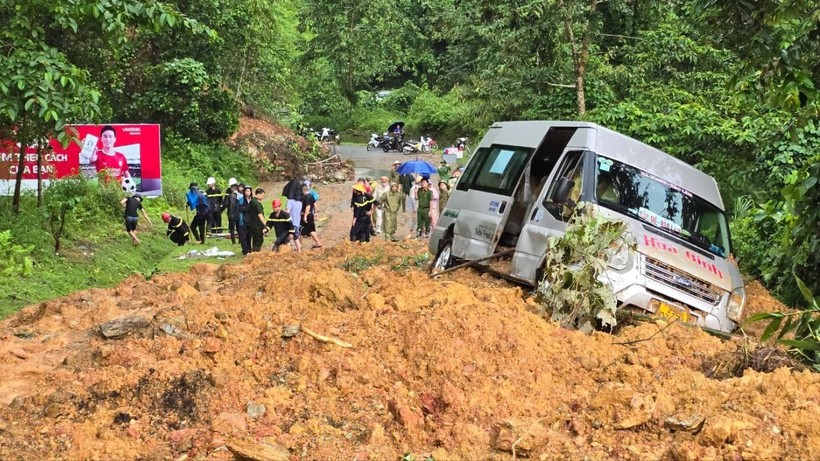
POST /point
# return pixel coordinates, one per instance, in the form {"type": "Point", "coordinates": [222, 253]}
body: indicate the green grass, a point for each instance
{"type": "Point", "coordinates": [104, 261]}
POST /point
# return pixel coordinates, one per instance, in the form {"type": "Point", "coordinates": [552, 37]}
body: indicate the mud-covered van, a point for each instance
{"type": "Point", "coordinates": [518, 190]}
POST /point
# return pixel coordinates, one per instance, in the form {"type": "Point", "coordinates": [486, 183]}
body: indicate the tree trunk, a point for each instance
{"type": "Point", "coordinates": [21, 164]}
{"type": "Point", "coordinates": [580, 58]}
{"type": "Point", "coordinates": [40, 149]}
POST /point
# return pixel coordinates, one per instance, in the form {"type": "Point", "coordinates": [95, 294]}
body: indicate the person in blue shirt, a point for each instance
{"type": "Point", "coordinates": [198, 203]}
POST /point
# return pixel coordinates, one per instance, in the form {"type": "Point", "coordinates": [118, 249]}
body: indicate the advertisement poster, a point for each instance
{"type": "Point", "coordinates": [128, 154]}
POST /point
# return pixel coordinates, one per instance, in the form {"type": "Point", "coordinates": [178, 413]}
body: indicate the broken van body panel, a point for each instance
{"type": "Point", "coordinates": [523, 180]}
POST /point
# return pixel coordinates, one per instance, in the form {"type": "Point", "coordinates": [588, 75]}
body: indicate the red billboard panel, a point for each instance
{"type": "Point", "coordinates": [126, 153]}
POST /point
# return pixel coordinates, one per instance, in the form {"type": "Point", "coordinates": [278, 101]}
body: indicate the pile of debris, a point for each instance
{"type": "Point", "coordinates": [355, 353]}
{"type": "Point", "coordinates": [277, 152]}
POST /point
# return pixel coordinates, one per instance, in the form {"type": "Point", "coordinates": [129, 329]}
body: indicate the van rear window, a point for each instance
{"type": "Point", "coordinates": [496, 169]}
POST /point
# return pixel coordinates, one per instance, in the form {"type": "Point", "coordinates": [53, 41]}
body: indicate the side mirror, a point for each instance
{"type": "Point", "coordinates": [562, 190]}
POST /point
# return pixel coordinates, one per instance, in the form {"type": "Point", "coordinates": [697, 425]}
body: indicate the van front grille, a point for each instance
{"type": "Point", "coordinates": [681, 281]}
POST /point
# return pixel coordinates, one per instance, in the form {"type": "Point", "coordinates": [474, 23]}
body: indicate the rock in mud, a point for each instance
{"type": "Point", "coordinates": [120, 327]}
{"type": "Point", "coordinates": [255, 410]}
{"type": "Point", "coordinates": [264, 451]}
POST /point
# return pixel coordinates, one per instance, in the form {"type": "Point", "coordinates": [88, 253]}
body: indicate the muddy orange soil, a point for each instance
{"type": "Point", "coordinates": [227, 358]}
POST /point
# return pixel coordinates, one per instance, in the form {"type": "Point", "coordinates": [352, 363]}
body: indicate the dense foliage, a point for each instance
{"type": "Point", "coordinates": [729, 86]}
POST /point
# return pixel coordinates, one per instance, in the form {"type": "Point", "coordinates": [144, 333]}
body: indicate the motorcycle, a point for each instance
{"type": "Point", "coordinates": [390, 143]}
{"type": "Point", "coordinates": [428, 144]}
{"type": "Point", "coordinates": [329, 134]}
{"type": "Point", "coordinates": [375, 141]}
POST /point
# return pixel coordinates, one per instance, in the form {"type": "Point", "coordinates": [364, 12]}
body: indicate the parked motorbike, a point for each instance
{"type": "Point", "coordinates": [375, 141]}
{"type": "Point", "coordinates": [390, 143]}
{"type": "Point", "coordinates": [428, 144]}
{"type": "Point", "coordinates": [328, 135]}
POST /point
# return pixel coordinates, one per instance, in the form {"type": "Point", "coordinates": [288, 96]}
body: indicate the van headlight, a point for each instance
{"type": "Point", "coordinates": [619, 259]}
{"type": "Point", "coordinates": [737, 299]}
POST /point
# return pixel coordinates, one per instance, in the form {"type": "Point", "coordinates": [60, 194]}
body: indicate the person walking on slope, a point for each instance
{"type": "Point", "coordinates": [257, 224]}
{"type": "Point", "coordinates": [198, 203]}
{"type": "Point", "coordinates": [214, 195]}
{"type": "Point", "coordinates": [279, 220]}
{"type": "Point", "coordinates": [391, 203]}
{"type": "Point", "coordinates": [132, 206]}
{"type": "Point", "coordinates": [177, 231]}
{"type": "Point", "coordinates": [424, 196]}
{"type": "Point", "coordinates": [362, 210]}
{"type": "Point", "coordinates": [308, 219]}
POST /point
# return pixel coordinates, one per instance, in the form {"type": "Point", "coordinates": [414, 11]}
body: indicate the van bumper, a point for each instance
{"type": "Point", "coordinates": [637, 293]}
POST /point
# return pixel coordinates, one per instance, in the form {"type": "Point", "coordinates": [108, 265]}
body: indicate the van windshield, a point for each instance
{"type": "Point", "coordinates": [673, 209]}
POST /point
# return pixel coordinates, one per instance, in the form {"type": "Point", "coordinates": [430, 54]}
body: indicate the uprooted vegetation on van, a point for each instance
{"type": "Point", "coordinates": [570, 291]}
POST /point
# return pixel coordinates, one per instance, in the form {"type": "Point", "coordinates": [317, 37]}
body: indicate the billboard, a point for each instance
{"type": "Point", "coordinates": [126, 153]}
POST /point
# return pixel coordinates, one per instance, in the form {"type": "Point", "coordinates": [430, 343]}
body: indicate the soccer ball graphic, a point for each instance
{"type": "Point", "coordinates": [129, 186]}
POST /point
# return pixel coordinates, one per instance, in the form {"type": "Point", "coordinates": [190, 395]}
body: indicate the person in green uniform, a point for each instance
{"type": "Point", "coordinates": [395, 176]}
{"type": "Point", "coordinates": [423, 198]}
{"type": "Point", "coordinates": [391, 203]}
{"type": "Point", "coordinates": [444, 171]}
{"type": "Point", "coordinates": [443, 194]}
{"type": "Point", "coordinates": [257, 223]}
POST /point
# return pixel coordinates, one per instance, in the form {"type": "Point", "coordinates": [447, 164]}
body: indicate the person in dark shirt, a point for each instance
{"type": "Point", "coordinates": [243, 204]}
{"type": "Point", "coordinates": [178, 231]}
{"type": "Point", "coordinates": [293, 192]}
{"type": "Point", "coordinates": [256, 220]}
{"type": "Point", "coordinates": [132, 206]}
{"type": "Point", "coordinates": [229, 202]}
{"type": "Point", "coordinates": [308, 218]}
{"type": "Point", "coordinates": [214, 195]}
{"type": "Point", "coordinates": [362, 210]}
{"type": "Point", "coordinates": [279, 220]}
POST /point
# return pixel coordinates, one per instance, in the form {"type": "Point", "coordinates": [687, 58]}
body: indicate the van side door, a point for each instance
{"type": "Point", "coordinates": [491, 178]}
{"type": "Point", "coordinates": [568, 185]}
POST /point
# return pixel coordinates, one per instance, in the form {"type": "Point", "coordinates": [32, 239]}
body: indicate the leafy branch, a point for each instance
{"type": "Point", "coordinates": [804, 325]}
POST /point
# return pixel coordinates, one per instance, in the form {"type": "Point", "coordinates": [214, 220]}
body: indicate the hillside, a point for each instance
{"type": "Point", "coordinates": [457, 368]}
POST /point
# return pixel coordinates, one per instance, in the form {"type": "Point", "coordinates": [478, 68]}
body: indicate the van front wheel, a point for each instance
{"type": "Point", "coordinates": [444, 258]}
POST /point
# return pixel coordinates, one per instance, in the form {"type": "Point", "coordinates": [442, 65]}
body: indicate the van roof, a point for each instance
{"type": "Point", "coordinates": [618, 147]}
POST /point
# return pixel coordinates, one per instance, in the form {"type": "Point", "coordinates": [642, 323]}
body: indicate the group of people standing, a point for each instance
{"type": "Point", "coordinates": [376, 204]}
{"type": "Point", "coordinates": [247, 223]}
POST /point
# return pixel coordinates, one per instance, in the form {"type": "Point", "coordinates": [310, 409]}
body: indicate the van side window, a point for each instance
{"type": "Point", "coordinates": [496, 170]}
{"type": "Point", "coordinates": [568, 182]}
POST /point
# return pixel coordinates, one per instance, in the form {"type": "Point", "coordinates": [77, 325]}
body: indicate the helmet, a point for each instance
{"type": "Point", "coordinates": [276, 203]}
{"type": "Point", "coordinates": [231, 182]}
{"type": "Point", "coordinates": [211, 181]}
{"type": "Point", "coordinates": [166, 217]}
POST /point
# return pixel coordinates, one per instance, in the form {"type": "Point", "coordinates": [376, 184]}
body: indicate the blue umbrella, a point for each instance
{"type": "Point", "coordinates": [417, 167]}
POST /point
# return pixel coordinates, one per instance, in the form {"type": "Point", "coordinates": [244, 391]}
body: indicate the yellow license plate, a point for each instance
{"type": "Point", "coordinates": [670, 312]}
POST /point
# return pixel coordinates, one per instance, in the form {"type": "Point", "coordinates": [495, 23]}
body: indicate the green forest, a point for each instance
{"type": "Point", "coordinates": [729, 86]}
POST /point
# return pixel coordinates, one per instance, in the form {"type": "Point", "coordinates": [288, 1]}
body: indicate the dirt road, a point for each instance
{"type": "Point", "coordinates": [335, 215]}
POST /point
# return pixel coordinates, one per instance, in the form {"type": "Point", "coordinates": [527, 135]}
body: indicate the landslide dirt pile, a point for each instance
{"type": "Point", "coordinates": [277, 152]}
{"type": "Point", "coordinates": [202, 363]}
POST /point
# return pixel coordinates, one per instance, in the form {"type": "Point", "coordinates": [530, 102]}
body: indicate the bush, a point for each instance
{"type": "Point", "coordinates": [14, 258]}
